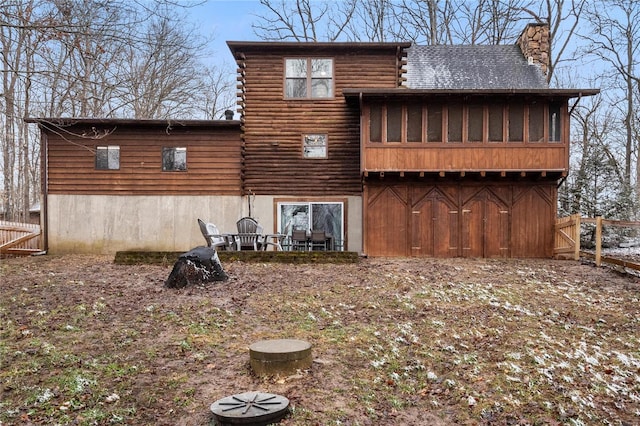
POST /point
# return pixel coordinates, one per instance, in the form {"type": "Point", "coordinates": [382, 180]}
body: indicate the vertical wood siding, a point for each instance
{"type": "Point", "coordinates": [449, 219]}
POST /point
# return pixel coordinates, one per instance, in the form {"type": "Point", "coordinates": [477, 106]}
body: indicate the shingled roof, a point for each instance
{"type": "Point", "coordinates": [471, 67]}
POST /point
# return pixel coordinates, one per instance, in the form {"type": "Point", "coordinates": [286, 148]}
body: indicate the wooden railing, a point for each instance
{"type": "Point", "coordinates": [19, 238]}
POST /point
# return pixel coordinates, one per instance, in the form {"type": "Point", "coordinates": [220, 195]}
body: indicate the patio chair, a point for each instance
{"type": "Point", "coordinates": [212, 235]}
{"type": "Point", "coordinates": [299, 239]}
{"type": "Point", "coordinates": [318, 240]}
{"type": "Point", "coordinates": [249, 234]}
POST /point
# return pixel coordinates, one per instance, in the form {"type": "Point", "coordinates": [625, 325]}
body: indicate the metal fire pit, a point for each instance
{"type": "Point", "coordinates": [250, 408]}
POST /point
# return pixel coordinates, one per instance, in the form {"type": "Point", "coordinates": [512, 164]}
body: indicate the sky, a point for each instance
{"type": "Point", "coordinates": [226, 21]}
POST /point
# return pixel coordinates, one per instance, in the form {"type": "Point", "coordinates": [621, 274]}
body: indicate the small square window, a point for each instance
{"type": "Point", "coordinates": [174, 159]}
{"type": "Point", "coordinates": [108, 157]}
{"type": "Point", "coordinates": [314, 146]}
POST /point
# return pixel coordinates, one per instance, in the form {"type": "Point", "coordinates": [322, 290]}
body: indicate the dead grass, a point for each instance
{"type": "Point", "coordinates": [395, 341]}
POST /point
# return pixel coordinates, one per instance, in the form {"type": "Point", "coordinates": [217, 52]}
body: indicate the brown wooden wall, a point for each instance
{"type": "Point", "coordinates": [273, 126]}
{"type": "Point", "coordinates": [453, 219]}
{"type": "Point", "coordinates": [483, 154]}
{"type": "Point", "coordinates": [213, 162]}
{"type": "Point", "coordinates": [508, 158]}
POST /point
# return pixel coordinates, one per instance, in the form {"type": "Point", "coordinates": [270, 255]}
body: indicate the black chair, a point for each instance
{"type": "Point", "coordinates": [318, 240]}
{"type": "Point", "coordinates": [299, 239]}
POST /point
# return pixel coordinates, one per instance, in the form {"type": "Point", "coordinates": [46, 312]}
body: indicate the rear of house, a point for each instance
{"type": "Point", "coordinates": [393, 149]}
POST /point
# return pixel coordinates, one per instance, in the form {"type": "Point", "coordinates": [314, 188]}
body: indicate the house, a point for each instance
{"type": "Point", "coordinates": [394, 149]}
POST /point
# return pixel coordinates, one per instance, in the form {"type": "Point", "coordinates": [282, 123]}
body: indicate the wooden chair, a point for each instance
{"type": "Point", "coordinates": [318, 240]}
{"type": "Point", "coordinates": [212, 235]}
{"type": "Point", "coordinates": [299, 239]}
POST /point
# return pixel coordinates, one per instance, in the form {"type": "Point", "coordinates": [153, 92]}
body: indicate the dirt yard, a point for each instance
{"type": "Point", "coordinates": [395, 342]}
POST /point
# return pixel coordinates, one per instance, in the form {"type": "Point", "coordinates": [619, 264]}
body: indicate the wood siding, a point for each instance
{"type": "Point", "coordinates": [213, 162]}
{"type": "Point", "coordinates": [489, 158]}
{"type": "Point", "coordinates": [452, 219]}
{"type": "Point", "coordinates": [274, 127]}
{"type": "Point", "coordinates": [465, 143]}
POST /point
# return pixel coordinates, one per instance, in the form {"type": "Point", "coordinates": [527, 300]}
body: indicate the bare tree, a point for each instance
{"type": "Point", "coordinates": [161, 81]}
{"type": "Point", "coordinates": [17, 44]}
{"type": "Point", "coordinates": [304, 20]}
{"type": "Point", "coordinates": [615, 40]}
{"type": "Point", "coordinates": [219, 95]}
{"type": "Point", "coordinates": [489, 21]}
{"type": "Point", "coordinates": [89, 58]}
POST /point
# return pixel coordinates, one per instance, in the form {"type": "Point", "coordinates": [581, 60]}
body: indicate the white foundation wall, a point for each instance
{"type": "Point", "coordinates": [105, 224]}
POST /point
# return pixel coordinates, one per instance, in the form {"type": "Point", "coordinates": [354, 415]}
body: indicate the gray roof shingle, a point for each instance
{"type": "Point", "coordinates": [471, 67]}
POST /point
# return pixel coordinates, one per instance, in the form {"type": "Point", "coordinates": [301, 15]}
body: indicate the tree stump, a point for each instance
{"type": "Point", "coordinates": [196, 267]}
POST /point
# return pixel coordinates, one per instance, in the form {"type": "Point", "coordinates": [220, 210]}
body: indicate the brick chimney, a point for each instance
{"type": "Point", "coordinates": [534, 43]}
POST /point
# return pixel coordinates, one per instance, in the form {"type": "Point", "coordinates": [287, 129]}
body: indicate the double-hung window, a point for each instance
{"type": "Point", "coordinates": [308, 78]}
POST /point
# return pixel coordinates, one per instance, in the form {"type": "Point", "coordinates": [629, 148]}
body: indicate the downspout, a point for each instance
{"type": "Point", "coordinates": [561, 181]}
{"type": "Point", "coordinates": [44, 185]}
{"type": "Point", "coordinates": [575, 104]}
{"type": "Point", "coordinates": [568, 118]}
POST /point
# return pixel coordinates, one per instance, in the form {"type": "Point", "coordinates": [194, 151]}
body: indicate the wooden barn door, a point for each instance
{"type": "Point", "coordinates": [434, 222]}
{"type": "Point", "coordinates": [386, 220]}
{"type": "Point", "coordinates": [532, 220]}
{"type": "Point", "coordinates": [485, 225]}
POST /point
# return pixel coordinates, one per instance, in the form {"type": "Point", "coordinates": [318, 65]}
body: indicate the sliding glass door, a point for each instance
{"type": "Point", "coordinates": [319, 216]}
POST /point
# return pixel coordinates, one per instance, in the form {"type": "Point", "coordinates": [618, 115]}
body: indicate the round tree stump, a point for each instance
{"type": "Point", "coordinates": [279, 357]}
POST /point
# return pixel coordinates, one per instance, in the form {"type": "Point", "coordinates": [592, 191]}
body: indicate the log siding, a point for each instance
{"type": "Point", "coordinates": [213, 161]}
{"type": "Point", "coordinates": [273, 125]}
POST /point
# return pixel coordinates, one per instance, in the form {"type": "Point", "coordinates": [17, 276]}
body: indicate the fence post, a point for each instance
{"type": "Point", "coordinates": [598, 239]}
{"type": "Point", "coordinates": [576, 237]}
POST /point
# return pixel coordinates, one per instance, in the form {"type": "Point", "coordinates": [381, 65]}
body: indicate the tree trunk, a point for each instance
{"type": "Point", "coordinates": [199, 266]}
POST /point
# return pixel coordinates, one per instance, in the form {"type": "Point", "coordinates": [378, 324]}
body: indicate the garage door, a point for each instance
{"type": "Point", "coordinates": [441, 220]}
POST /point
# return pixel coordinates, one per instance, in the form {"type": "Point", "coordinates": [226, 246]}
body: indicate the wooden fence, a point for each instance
{"type": "Point", "coordinates": [567, 239]}
{"type": "Point", "coordinates": [19, 238]}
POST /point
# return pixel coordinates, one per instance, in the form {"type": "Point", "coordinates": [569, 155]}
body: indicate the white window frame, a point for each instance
{"type": "Point", "coordinates": [304, 220]}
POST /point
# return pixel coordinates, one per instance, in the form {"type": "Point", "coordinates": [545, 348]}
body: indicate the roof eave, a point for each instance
{"type": "Point", "coordinates": [369, 92]}
{"type": "Point", "coordinates": [72, 121]}
{"type": "Point", "coordinates": [310, 46]}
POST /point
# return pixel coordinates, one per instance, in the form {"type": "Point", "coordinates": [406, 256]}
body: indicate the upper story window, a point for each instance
{"type": "Point", "coordinates": [108, 157]}
{"type": "Point", "coordinates": [174, 159]}
{"type": "Point", "coordinates": [308, 78]}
